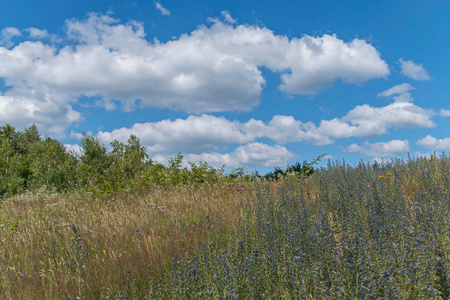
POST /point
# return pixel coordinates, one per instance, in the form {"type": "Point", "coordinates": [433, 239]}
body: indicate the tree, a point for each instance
{"type": "Point", "coordinates": [28, 138]}
{"type": "Point", "coordinates": [14, 169]}
{"type": "Point", "coordinates": [94, 161]}
{"type": "Point", "coordinates": [51, 166]}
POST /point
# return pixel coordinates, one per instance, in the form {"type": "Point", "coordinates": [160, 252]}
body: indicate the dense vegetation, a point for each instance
{"type": "Point", "coordinates": [353, 232]}
{"type": "Point", "coordinates": [365, 232]}
{"type": "Point", "coordinates": [31, 163]}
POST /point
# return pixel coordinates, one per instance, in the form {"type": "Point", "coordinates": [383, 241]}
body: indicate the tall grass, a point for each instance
{"type": "Point", "coordinates": [344, 233]}
{"type": "Point", "coordinates": [53, 246]}
{"type": "Point", "coordinates": [350, 232]}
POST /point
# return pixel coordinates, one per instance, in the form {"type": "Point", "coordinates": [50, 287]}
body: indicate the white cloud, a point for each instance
{"type": "Point", "coordinates": [6, 34]}
{"type": "Point", "coordinates": [374, 121]}
{"type": "Point", "coordinates": [211, 69]}
{"type": "Point", "coordinates": [50, 111]}
{"type": "Point", "coordinates": [398, 89]}
{"type": "Point", "coordinates": [412, 70]}
{"type": "Point", "coordinates": [105, 103]}
{"type": "Point", "coordinates": [250, 155]}
{"type": "Point", "coordinates": [378, 150]}
{"type": "Point", "coordinates": [164, 11]}
{"type": "Point", "coordinates": [434, 143]}
{"type": "Point", "coordinates": [363, 121]}
{"type": "Point", "coordinates": [38, 34]}
{"type": "Point", "coordinates": [228, 17]}
{"type": "Point", "coordinates": [445, 112]}
{"type": "Point", "coordinates": [75, 149]}
{"type": "Point", "coordinates": [200, 134]}
{"type": "Point", "coordinates": [316, 62]}
{"type": "Point", "coordinates": [203, 136]}
{"type": "Point", "coordinates": [76, 135]}
{"type": "Point", "coordinates": [206, 133]}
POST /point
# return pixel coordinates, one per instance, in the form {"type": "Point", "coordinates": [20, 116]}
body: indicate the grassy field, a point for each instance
{"type": "Point", "coordinates": [59, 245]}
{"type": "Point", "coordinates": [346, 232]}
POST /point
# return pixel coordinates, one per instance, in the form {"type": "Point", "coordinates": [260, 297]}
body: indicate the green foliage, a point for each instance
{"type": "Point", "coordinates": [298, 169]}
{"type": "Point", "coordinates": [51, 167]}
{"type": "Point", "coordinates": [238, 172]}
{"type": "Point", "coordinates": [14, 165]}
{"type": "Point", "coordinates": [174, 174]}
{"type": "Point", "coordinates": [94, 162]}
{"type": "Point", "coordinates": [28, 162]}
{"type": "Point", "coordinates": [28, 138]}
{"type": "Point", "coordinates": [128, 162]}
{"type": "Point", "coordinates": [203, 173]}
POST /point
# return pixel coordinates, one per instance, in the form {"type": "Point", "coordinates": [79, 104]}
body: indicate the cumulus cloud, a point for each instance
{"type": "Point", "coordinates": [445, 112]}
{"type": "Point", "coordinates": [374, 121]}
{"type": "Point", "coordinates": [228, 17]}
{"type": "Point", "coordinates": [363, 121]}
{"type": "Point", "coordinates": [434, 143]}
{"type": "Point", "coordinates": [380, 150]}
{"type": "Point", "coordinates": [164, 11]}
{"type": "Point", "coordinates": [50, 111]}
{"type": "Point", "coordinates": [196, 134]}
{"type": "Point", "coordinates": [76, 135]}
{"type": "Point", "coordinates": [398, 89]}
{"type": "Point", "coordinates": [38, 34]}
{"type": "Point", "coordinates": [6, 34]}
{"type": "Point", "coordinates": [366, 121]}
{"type": "Point", "coordinates": [315, 63]}
{"type": "Point", "coordinates": [105, 103]}
{"type": "Point", "coordinates": [212, 69]}
{"type": "Point", "coordinates": [207, 133]}
{"type": "Point", "coordinates": [412, 70]}
{"type": "Point", "coordinates": [250, 155]}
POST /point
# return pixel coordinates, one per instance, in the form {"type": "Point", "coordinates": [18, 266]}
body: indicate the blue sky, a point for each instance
{"type": "Point", "coordinates": [240, 83]}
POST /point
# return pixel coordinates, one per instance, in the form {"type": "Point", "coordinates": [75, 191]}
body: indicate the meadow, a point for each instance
{"type": "Point", "coordinates": [344, 232]}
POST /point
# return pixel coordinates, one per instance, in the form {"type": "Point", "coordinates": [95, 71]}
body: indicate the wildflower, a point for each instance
{"type": "Point", "coordinates": [387, 176]}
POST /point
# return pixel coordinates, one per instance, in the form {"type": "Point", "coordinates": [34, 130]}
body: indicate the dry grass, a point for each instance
{"type": "Point", "coordinates": [126, 231]}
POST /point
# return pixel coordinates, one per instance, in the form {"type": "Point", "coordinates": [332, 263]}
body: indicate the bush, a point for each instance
{"type": "Point", "coordinates": [298, 169]}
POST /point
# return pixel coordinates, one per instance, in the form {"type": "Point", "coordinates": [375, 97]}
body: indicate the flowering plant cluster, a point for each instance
{"type": "Point", "coordinates": [341, 234]}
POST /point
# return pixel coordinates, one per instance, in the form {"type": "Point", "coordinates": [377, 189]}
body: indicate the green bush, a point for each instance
{"type": "Point", "coordinates": [297, 169]}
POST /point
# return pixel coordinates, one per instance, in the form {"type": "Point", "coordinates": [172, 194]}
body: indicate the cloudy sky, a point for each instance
{"type": "Point", "coordinates": [240, 83]}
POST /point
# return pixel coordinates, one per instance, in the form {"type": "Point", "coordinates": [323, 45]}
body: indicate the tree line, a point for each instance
{"type": "Point", "coordinates": [30, 162]}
